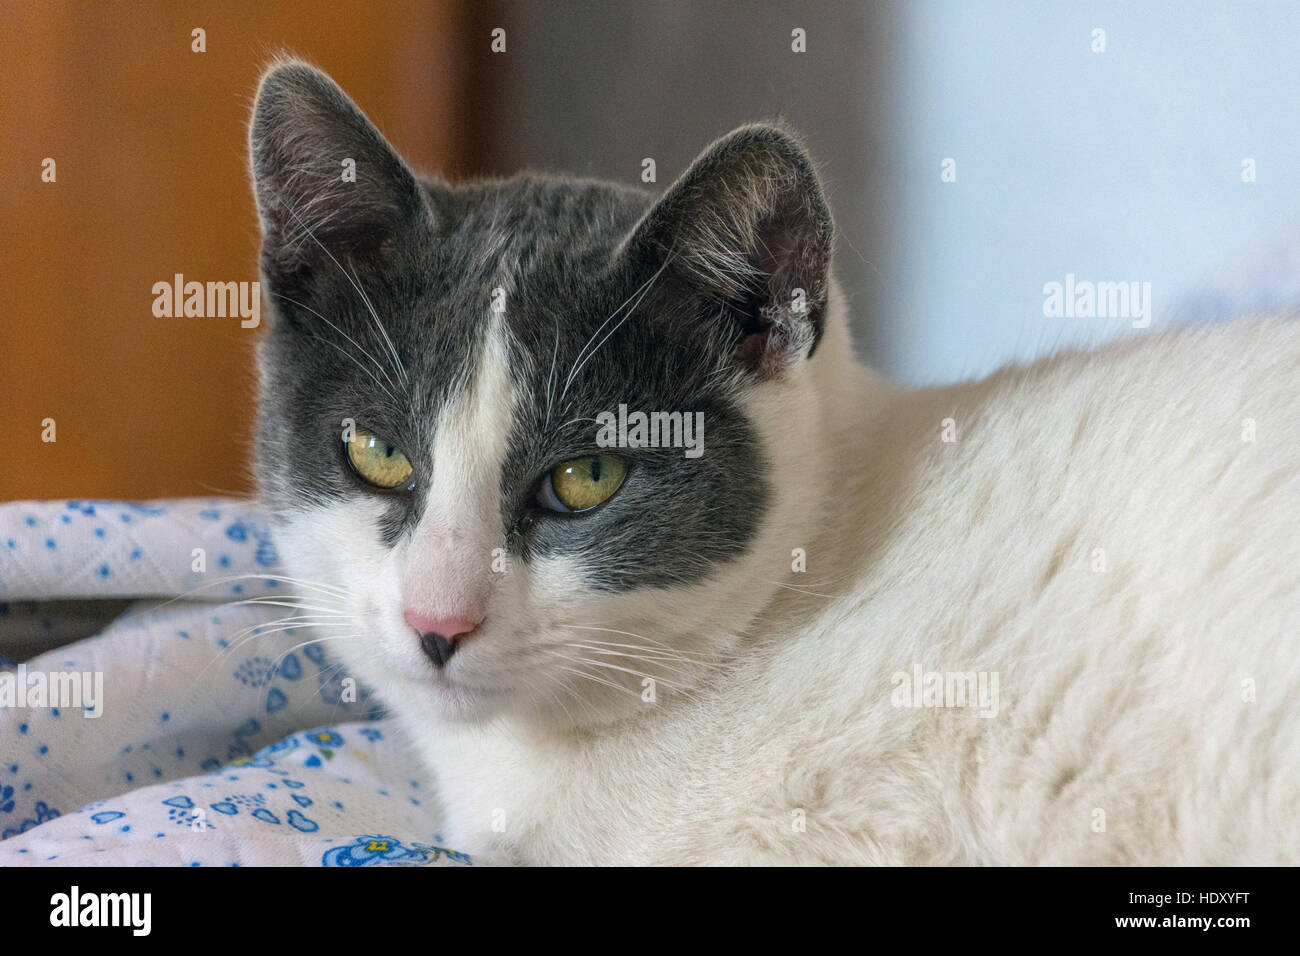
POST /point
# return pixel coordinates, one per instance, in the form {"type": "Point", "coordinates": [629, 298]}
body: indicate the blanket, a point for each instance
{"type": "Point", "coordinates": [164, 701]}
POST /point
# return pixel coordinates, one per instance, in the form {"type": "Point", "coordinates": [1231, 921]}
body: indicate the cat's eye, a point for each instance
{"type": "Point", "coordinates": [581, 484]}
{"type": "Point", "coordinates": [377, 462]}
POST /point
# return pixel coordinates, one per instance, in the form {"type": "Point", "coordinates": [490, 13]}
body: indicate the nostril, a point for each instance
{"type": "Point", "coordinates": [440, 633]}
{"type": "Point", "coordinates": [438, 648]}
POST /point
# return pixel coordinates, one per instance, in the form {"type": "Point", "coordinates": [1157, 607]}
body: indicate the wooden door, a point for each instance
{"type": "Point", "coordinates": [148, 140]}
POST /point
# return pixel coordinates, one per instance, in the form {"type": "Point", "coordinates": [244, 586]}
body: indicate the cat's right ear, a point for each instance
{"type": "Point", "coordinates": [328, 185]}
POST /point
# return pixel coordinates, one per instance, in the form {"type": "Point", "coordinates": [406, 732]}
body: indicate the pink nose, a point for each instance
{"type": "Point", "coordinates": [450, 627]}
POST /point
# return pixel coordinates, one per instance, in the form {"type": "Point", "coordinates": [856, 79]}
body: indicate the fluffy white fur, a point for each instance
{"type": "Point", "coordinates": [1099, 535]}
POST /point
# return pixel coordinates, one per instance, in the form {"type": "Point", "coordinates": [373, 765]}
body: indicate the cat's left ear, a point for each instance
{"type": "Point", "coordinates": [748, 228]}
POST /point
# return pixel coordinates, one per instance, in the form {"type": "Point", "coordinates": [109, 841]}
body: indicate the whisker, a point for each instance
{"type": "Point", "coordinates": [599, 680]}
{"type": "Point", "coordinates": [401, 371]}
{"type": "Point", "coordinates": [628, 670]}
{"type": "Point", "coordinates": [229, 579]}
{"type": "Point", "coordinates": [338, 637]}
{"type": "Point", "coordinates": [244, 637]}
{"type": "Point", "coordinates": [648, 655]}
{"type": "Point", "coordinates": [550, 378]}
{"type": "Point", "coordinates": [610, 630]}
{"type": "Point", "coordinates": [805, 591]}
{"type": "Point", "coordinates": [640, 294]}
{"type": "Point", "coordinates": [377, 364]}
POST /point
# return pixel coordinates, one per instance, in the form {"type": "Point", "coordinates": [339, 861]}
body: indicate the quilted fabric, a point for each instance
{"type": "Point", "coordinates": [196, 718]}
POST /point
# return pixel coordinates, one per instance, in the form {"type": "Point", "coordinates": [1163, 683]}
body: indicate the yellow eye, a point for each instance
{"type": "Point", "coordinates": [582, 483]}
{"type": "Point", "coordinates": [377, 462]}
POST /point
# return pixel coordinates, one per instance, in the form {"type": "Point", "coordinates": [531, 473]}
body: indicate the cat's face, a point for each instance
{"type": "Point", "coordinates": [465, 342]}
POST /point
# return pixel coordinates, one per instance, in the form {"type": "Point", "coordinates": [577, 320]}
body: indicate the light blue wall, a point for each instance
{"type": "Point", "coordinates": [1123, 165]}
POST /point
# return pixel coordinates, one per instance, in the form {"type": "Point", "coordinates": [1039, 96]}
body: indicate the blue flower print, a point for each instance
{"type": "Point", "coordinates": [255, 672]}
{"type": "Point", "coordinates": [325, 738]}
{"type": "Point", "coordinates": [434, 853]}
{"type": "Point", "coordinates": [266, 555]}
{"type": "Point", "coordinates": [371, 851]}
{"type": "Point", "coordinates": [251, 802]}
{"type": "Point", "coordinates": [299, 821]}
{"type": "Point", "coordinates": [44, 813]}
{"type": "Point", "coordinates": [260, 762]}
{"type": "Point", "coordinates": [241, 531]}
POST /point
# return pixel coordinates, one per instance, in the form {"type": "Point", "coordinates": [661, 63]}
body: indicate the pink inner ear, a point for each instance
{"type": "Point", "coordinates": [787, 257]}
{"type": "Point", "coordinates": [786, 253]}
{"type": "Point", "coordinates": [771, 351]}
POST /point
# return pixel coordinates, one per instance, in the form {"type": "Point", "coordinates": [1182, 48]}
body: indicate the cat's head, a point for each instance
{"type": "Point", "coordinates": [440, 364]}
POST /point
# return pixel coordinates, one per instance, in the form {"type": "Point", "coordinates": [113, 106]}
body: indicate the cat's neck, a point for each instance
{"type": "Point", "coordinates": [855, 413]}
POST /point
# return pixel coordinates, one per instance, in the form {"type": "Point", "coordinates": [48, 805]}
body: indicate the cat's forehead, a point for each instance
{"type": "Point", "coordinates": [536, 258]}
{"type": "Point", "coordinates": [537, 237]}
{"type": "Point", "coordinates": [555, 214]}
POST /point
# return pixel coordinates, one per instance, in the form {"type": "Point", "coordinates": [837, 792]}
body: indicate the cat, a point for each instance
{"type": "Point", "coordinates": [1045, 618]}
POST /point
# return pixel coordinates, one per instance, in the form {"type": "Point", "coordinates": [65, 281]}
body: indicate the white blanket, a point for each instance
{"type": "Point", "coordinates": [185, 728]}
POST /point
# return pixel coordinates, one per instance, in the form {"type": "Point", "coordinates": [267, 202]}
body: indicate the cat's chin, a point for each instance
{"type": "Point", "coordinates": [457, 701]}
{"type": "Point", "coordinates": [441, 698]}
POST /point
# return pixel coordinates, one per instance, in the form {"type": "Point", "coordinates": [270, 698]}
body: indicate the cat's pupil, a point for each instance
{"type": "Point", "coordinates": [595, 469]}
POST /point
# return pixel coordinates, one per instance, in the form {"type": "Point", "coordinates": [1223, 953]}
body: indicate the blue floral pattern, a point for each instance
{"type": "Point", "coordinates": [216, 731]}
{"type": "Point", "coordinates": [380, 850]}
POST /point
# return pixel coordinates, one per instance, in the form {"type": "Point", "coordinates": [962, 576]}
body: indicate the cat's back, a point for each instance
{"type": "Point", "coordinates": [1108, 542]}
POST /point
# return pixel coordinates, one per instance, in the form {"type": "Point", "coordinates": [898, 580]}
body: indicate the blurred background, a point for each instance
{"type": "Point", "coordinates": [972, 152]}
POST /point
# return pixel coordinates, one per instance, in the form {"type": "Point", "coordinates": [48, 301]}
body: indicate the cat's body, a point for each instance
{"type": "Point", "coordinates": [1122, 675]}
{"type": "Point", "coordinates": [712, 664]}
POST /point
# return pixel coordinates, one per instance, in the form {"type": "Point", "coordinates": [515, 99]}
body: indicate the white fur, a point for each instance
{"type": "Point", "coordinates": [1122, 734]}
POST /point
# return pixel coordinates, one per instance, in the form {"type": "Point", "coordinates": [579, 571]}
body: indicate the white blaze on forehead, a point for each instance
{"type": "Point", "coordinates": [471, 434]}
{"type": "Point", "coordinates": [449, 558]}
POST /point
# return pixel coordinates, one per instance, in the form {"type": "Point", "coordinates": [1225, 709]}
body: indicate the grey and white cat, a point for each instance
{"type": "Point", "coordinates": [1050, 617]}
